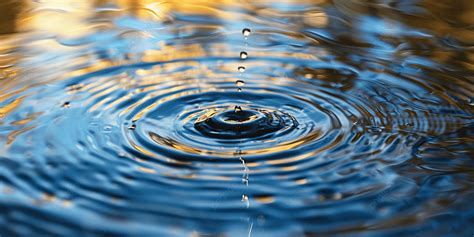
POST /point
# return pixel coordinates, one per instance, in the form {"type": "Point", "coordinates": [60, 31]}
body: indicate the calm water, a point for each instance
{"type": "Point", "coordinates": [355, 118]}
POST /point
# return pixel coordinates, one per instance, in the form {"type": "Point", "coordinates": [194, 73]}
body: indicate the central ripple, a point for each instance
{"type": "Point", "coordinates": [242, 124]}
{"type": "Point", "coordinates": [206, 122]}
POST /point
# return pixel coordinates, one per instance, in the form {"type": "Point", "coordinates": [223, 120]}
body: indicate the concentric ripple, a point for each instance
{"type": "Point", "coordinates": [132, 128]}
{"type": "Point", "coordinates": [230, 124]}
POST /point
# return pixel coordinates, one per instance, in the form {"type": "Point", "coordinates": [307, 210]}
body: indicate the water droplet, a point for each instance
{"type": "Point", "coordinates": [243, 55]}
{"type": "Point", "coordinates": [66, 104]}
{"type": "Point", "coordinates": [246, 32]}
{"type": "Point", "coordinates": [237, 109]}
{"type": "Point", "coordinates": [240, 83]}
{"type": "Point", "coordinates": [239, 89]}
{"type": "Point", "coordinates": [132, 127]}
{"type": "Point", "coordinates": [245, 199]}
{"type": "Point", "coordinates": [241, 69]}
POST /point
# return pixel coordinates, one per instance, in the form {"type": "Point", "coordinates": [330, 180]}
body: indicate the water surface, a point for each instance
{"type": "Point", "coordinates": [353, 118]}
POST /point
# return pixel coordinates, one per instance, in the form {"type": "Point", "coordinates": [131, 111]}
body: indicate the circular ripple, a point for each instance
{"type": "Point", "coordinates": [297, 143]}
{"type": "Point", "coordinates": [329, 138]}
{"type": "Point", "coordinates": [206, 122]}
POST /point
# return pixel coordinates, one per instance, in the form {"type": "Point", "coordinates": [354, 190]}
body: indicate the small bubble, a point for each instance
{"type": "Point", "coordinates": [243, 55]}
{"type": "Point", "coordinates": [240, 83]}
{"type": "Point", "coordinates": [237, 109]}
{"type": "Point", "coordinates": [241, 69]}
{"type": "Point", "coordinates": [246, 32]}
{"type": "Point", "coordinates": [66, 104]}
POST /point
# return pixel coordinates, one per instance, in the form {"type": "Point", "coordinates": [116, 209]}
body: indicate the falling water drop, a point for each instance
{"type": "Point", "coordinates": [245, 199]}
{"type": "Point", "coordinates": [246, 32]}
{"type": "Point", "coordinates": [240, 83]}
{"type": "Point", "coordinates": [241, 69]}
{"type": "Point", "coordinates": [243, 55]}
{"type": "Point", "coordinates": [237, 109]}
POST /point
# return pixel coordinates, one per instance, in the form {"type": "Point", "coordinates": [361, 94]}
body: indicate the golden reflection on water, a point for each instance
{"type": "Point", "coordinates": [34, 30]}
{"type": "Point", "coordinates": [70, 16]}
{"type": "Point", "coordinates": [73, 18]}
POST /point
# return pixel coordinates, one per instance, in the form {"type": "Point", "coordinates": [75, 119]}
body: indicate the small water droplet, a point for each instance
{"type": "Point", "coordinates": [471, 102]}
{"type": "Point", "coordinates": [237, 109]}
{"type": "Point", "coordinates": [241, 69]}
{"type": "Point", "coordinates": [239, 89]}
{"type": "Point", "coordinates": [132, 127]}
{"type": "Point", "coordinates": [245, 199]}
{"type": "Point", "coordinates": [240, 83]}
{"type": "Point", "coordinates": [66, 104]}
{"type": "Point", "coordinates": [243, 55]}
{"type": "Point", "coordinates": [246, 32]}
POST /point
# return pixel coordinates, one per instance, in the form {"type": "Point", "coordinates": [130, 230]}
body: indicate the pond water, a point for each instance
{"type": "Point", "coordinates": [236, 118]}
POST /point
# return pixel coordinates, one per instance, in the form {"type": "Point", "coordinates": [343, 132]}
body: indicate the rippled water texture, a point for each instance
{"type": "Point", "coordinates": [353, 118]}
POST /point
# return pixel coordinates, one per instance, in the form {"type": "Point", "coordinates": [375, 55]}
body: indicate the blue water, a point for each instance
{"type": "Point", "coordinates": [356, 118]}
